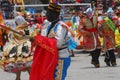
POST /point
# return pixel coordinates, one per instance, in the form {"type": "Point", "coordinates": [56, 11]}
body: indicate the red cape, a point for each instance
{"type": "Point", "coordinates": [45, 59]}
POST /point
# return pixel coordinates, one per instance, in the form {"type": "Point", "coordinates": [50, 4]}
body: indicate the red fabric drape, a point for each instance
{"type": "Point", "coordinates": [45, 59]}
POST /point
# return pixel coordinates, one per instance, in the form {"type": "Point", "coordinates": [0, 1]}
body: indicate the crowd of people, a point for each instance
{"type": "Point", "coordinates": [43, 46]}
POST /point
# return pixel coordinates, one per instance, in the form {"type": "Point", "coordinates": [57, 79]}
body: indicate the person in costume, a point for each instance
{"type": "Point", "coordinates": [17, 54]}
{"type": "Point", "coordinates": [108, 27]}
{"type": "Point", "coordinates": [75, 22]}
{"type": "Point", "coordinates": [54, 46]}
{"type": "Point", "coordinates": [72, 54]}
{"type": "Point", "coordinates": [117, 33]}
{"type": "Point", "coordinates": [89, 29]}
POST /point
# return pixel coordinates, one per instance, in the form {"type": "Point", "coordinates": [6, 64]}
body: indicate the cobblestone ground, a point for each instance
{"type": "Point", "coordinates": [80, 69]}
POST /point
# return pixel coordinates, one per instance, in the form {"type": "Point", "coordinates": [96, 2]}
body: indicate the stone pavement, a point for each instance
{"type": "Point", "coordinates": [80, 69]}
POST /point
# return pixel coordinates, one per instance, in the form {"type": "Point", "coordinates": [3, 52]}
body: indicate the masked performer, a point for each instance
{"type": "Point", "coordinates": [117, 33]}
{"type": "Point", "coordinates": [91, 42]}
{"type": "Point", "coordinates": [16, 54]}
{"type": "Point", "coordinates": [51, 58]}
{"type": "Point", "coordinates": [108, 26]}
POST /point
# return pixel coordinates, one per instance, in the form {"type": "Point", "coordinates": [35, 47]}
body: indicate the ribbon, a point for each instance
{"type": "Point", "coordinates": [110, 24]}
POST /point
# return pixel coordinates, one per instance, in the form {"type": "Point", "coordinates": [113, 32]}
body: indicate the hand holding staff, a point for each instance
{"type": "Point", "coordinates": [10, 29]}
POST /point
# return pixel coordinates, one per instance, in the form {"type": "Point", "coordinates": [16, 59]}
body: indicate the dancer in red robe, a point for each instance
{"type": "Point", "coordinates": [45, 58]}
{"type": "Point", "coordinates": [51, 58]}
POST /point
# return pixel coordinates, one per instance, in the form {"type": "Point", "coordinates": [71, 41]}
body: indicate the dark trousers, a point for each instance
{"type": "Point", "coordinates": [95, 55]}
{"type": "Point", "coordinates": [110, 56]}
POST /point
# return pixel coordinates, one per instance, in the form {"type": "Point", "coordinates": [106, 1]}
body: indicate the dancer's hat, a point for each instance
{"type": "Point", "coordinates": [54, 7]}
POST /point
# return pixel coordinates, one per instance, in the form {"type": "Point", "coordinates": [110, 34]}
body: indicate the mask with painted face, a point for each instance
{"type": "Point", "coordinates": [89, 12]}
{"type": "Point", "coordinates": [110, 13]}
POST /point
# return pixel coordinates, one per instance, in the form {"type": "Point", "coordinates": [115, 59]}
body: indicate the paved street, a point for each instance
{"type": "Point", "coordinates": [80, 69]}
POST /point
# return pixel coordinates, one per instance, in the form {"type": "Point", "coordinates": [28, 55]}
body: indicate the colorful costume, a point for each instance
{"type": "Point", "coordinates": [16, 55]}
{"type": "Point", "coordinates": [117, 33]}
{"type": "Point", "coordinates": [56, 38]}
{"type": "Point", "coordinates": [75, 21]}
{"type": "Point", "coordinates": [91, 42]}
{"type": "Point", "coordinates": [108, 27]}
{"type": "Point", "coordinates": [74, 27]}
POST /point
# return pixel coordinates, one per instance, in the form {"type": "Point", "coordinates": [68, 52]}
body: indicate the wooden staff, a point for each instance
{"type": "Point", "coordinates": [10, 29]}
{"type": "Point", "coordinates": [14, 31]}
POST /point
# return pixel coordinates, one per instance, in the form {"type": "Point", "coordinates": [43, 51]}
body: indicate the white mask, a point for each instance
{"type": "Point", "coordinates": [89, 13]}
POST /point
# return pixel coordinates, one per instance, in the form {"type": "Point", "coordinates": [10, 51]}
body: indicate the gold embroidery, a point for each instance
{"type": "Point", "coordinates": [59, 70]}
{"type": "Point", "coordinates": [45, 46]}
